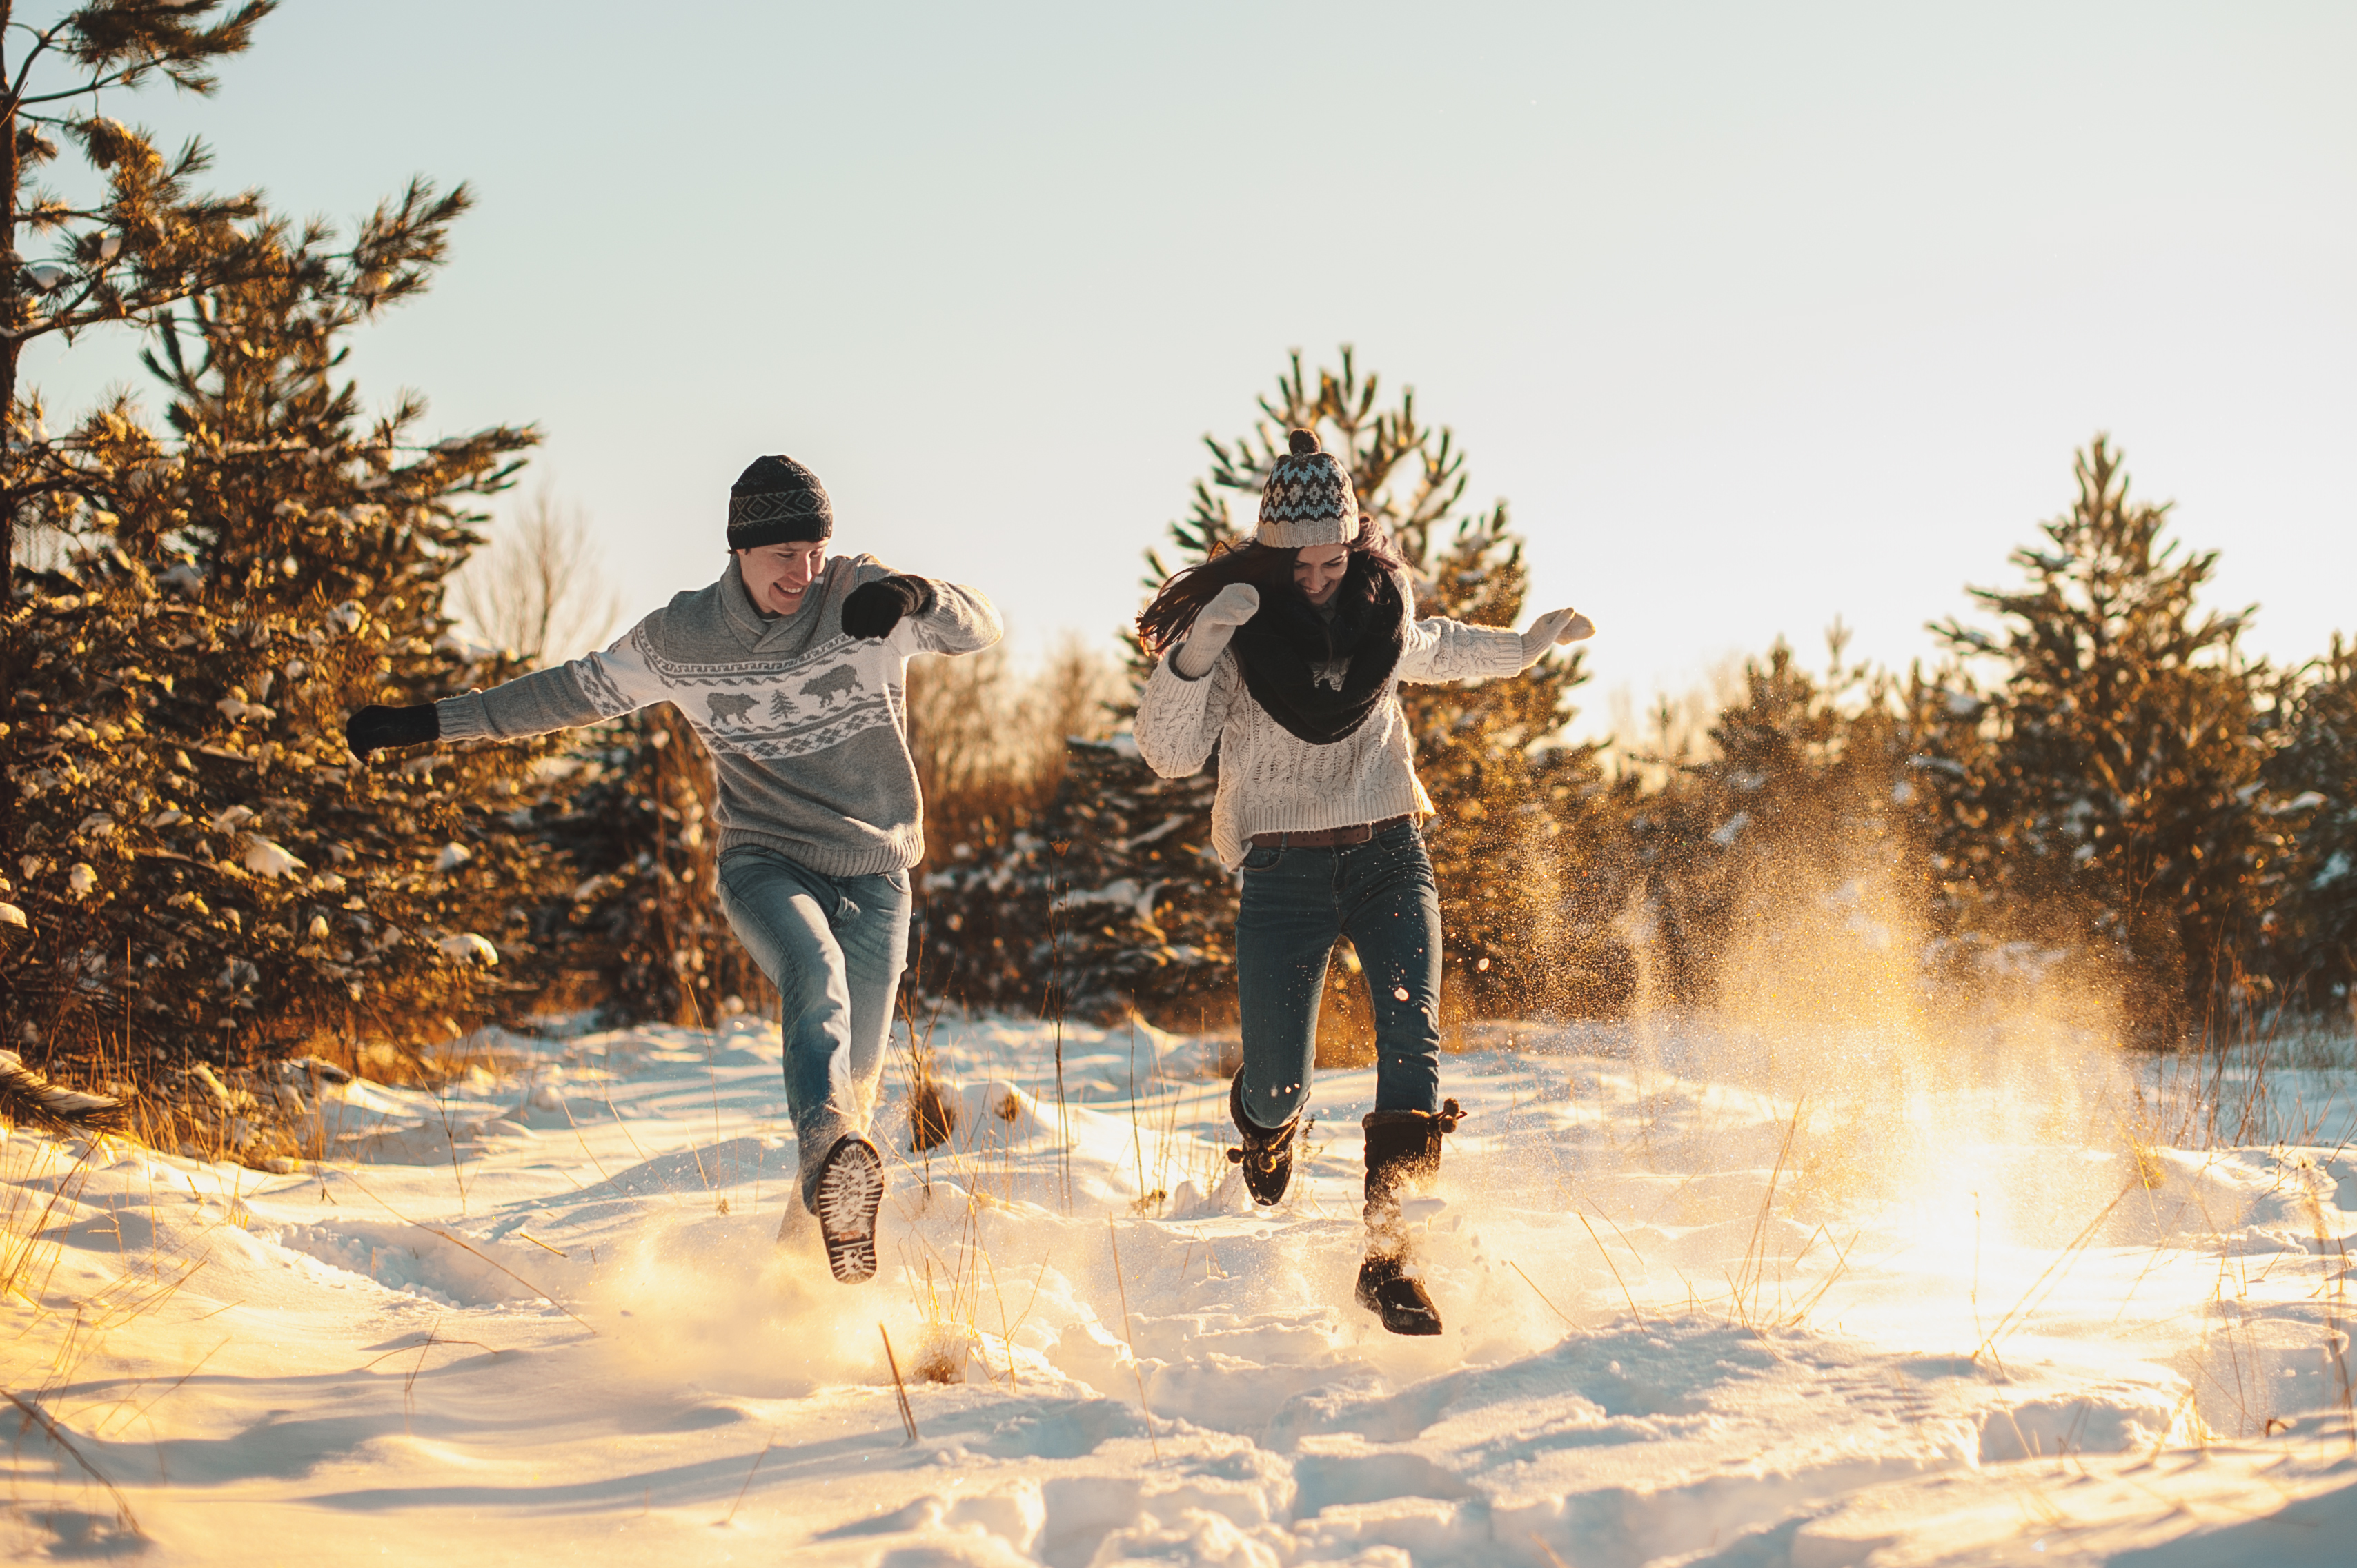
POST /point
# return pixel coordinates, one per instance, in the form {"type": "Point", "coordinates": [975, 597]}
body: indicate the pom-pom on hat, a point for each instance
{"type": "Point", "coordinates": [1309, 499]}
{"type": "Point", "coordinates": [777, 501]}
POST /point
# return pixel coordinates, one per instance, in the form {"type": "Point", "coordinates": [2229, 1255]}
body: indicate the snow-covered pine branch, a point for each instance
{"type": "Point", "coordinates": [25, 1096]}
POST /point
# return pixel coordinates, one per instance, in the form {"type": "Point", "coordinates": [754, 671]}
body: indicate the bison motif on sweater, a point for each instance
{"type": "Point", "coordinates": [727, 708]}
{"type": "Point", "coordinates": [839, 681]}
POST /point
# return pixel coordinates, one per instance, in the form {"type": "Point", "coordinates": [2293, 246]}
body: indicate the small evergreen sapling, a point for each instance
{"type": "Point", "coordinates": [2120, 805]}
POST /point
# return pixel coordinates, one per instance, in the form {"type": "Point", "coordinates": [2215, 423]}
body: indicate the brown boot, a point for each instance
{"type": "Point", "coordinates": [1267, 1153]}
{"type": "Point", "coordinates": [1403, 1150]}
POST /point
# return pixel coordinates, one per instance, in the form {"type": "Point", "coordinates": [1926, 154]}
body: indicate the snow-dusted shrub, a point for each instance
{"type": "Point", "coordinates": [636, 929]}
{"type": "Point", "coordinates": [1110, 899]}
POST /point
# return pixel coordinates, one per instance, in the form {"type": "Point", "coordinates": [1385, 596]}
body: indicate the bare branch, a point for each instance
{"type": "Point", "coordinates": [540, 589]}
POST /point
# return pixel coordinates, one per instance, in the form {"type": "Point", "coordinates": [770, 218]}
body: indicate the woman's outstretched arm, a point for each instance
{"type": "Point", "coordinates": [1444, 649]}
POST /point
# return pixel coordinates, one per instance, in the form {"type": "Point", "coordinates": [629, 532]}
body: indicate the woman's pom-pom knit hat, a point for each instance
{"type": "Point", "coordinates": [1308, 498]}
{"type": "Point", "coordinates": [777, 501]}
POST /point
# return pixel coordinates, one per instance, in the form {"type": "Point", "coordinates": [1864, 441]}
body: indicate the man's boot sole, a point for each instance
{"type": "Point", "coordinates": [850, 1190]}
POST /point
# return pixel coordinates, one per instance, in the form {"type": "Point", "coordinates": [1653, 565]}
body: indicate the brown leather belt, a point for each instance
{"type": "Point", "coordinates": [1325, 838]}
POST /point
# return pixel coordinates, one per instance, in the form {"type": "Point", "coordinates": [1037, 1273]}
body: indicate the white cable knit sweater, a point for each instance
{"type": "Point", "coordinates": [1272, 781]}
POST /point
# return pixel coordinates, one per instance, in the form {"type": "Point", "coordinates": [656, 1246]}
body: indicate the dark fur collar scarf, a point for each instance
{"type": "Point", "coordinates": [1321, 680]}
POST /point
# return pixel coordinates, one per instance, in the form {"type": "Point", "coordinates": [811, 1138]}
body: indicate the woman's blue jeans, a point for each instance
{"type": "Point", "coordinates": [1297, 903]}
{"type": "Point", "coordinates": [833, 947]}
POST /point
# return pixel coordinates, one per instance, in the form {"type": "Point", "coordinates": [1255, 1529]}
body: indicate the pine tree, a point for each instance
{"type": "Point", "coordinates": [147, 242]}
{"type": "Point", "coordinates": [2309, 940]}
{"type": "Point", "coordinates": [2120, 803]}
{"type": "Point", "coordinates": [1519, 810]}
{"type": "Point", "coordinates": [208, 876]}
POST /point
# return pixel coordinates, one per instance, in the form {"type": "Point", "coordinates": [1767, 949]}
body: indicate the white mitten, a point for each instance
{"type": "Point", "coordinates": [1214, 624]}
{"type": "Point", "coordinates": [1557, 626]}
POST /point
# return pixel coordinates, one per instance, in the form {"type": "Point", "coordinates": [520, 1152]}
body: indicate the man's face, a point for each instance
{"type": "Point", "coordinates": [777, 576]}
{"type": "Point", "coordinates": [1319, 570]}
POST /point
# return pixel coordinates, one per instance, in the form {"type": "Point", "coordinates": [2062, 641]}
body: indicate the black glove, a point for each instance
{"type": "Point", "coordinates": [376, 726]}
{"type": "Point", "coordinates": [873, 609]}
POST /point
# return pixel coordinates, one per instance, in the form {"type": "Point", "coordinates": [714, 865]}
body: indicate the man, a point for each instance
{"type": "Point", "coordinates": [790, 668]}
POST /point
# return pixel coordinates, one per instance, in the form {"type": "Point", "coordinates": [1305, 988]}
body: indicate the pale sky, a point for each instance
{"type": "Point", "coordinates": [1757, 315]}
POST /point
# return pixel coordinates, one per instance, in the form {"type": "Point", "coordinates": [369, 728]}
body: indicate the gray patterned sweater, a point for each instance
{"type": "Point", "coordinates": [807, 726]}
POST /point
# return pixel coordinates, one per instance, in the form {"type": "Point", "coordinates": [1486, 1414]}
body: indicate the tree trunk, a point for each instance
{"type": "Point", "coordinates": [11, 305]}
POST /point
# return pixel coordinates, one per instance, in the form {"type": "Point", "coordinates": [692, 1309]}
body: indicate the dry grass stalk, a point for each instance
{"type": "Point", "coordinates": [409, 1383]}
{"type": "Point", "coordinates": [1744, 1286]}
{"type": "Point", "coordinates": [1609, 1263]}
{"type": "Point", "coordinates": [2336, 1338]}
{"type": "Point", "coordinates": [932, 1116]}
{"type": "Point", "coordinates": [2048, 1278]}
{"type": "Point", "coordinates": [1841, 1267]}
{"type": "Point", "coordinates": [899, 1389]}
{"type": "Point", "coordinates": [1129, 1337]}
{"type": "Point", "coordinates": [463, 1246]}
{"type": "Point", "coordinates": [35, 1415]}
{"type": "Point", "coordinates": [764, 1454]}
{"type": "Point", "coordinates": [170, 1389]}
{"type": "Point", "coordinates": [1550, 1306]}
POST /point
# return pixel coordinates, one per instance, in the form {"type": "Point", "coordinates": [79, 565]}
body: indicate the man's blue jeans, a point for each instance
{"type": "Point", "coordinates": [833, 947]}
{"type": "Point", "coordinates": [1297, 903]}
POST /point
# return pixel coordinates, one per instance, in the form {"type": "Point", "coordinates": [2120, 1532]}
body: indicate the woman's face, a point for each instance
{"type": "Point", "coordinates": [1319, 569]}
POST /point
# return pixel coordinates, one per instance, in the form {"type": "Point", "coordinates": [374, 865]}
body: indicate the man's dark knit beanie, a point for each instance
{"type": "Point", "coordinates": [777, 501]}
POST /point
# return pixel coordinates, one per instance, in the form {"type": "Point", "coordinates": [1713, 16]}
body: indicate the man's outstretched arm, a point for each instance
{"type": "Point", "coordinates": [593, 687]}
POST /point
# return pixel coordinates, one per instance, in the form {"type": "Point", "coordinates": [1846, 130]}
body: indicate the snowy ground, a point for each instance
{"type": "Point", "coordinates": [1713, 1297]}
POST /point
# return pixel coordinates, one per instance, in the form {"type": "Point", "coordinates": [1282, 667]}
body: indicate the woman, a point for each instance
{"type": "Point", "coordinates": [1286, 653]}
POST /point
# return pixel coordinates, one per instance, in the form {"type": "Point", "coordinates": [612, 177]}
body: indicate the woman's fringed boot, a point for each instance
{"type": "Point", "coordinates": [1267, 1153]}
{"type": "Point", "coordinates": [1402, 1149]}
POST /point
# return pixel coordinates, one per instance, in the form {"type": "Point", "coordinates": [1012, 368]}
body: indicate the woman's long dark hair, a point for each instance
{"type": "Point", "coordinates": [1164, 623]}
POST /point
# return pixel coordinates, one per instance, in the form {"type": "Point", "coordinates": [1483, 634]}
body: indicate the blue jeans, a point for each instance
{"type": "Point", "coordinates": [833, 947]}
{"type": "Point", "coordinates": [1297, 903]}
